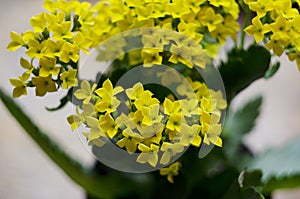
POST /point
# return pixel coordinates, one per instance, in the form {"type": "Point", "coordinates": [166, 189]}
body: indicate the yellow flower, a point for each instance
{"type": "Point", "coordinates": [108, 89]}
{"type": "Point", "coordinates": [233, 9]}
{"type": "Point", "coordinates": [213, 135]}
{"type": "Point", "coordinates": [95, 132]}
{"type": "Point", "coordinates": [54, 48]}
{"type": "Point", "coordinates": [151, 134]}
{"type": "Point", "coordinates": [65, 6]}
{"type": "Point", "coordinates": [75, 120]}
{"type": "Point", "coordinates": [232, 25]}
{"type": "Point", "coordinates": [85, 93]}
{"type": "Point", "coordinates": [212, 49]}
{"type": "Point", "coordinates": [181, 54]}
{"type": "Point", "coordinates": [108, 125]}
{"type": "Point", "coordinates": [209, 18]}
{"type": "Point", "coordinates": [130, 140]}
{"type": "Point", "coordinates": [118, 10]}
{"type": "Point", "coordinates": [149, 154]}
{"type": "Point", "coordinates": [189, 135]}
{"type": "Point", "coordinates": [189, 29]}
{"type": "Point", "coordinates": [146, 100]}
{"type": "Point", "coordinates": [108, 101]}
{"type": "Point", "coordinates": [135, 3]}
{"type": "Point", "coordinates": [135, 92]}
{"type": "Point", "coordinates": [124, 121]}
{"type": "Point", "coordinates": [208, 119]}
{"type": "Point", "coordinates": [20, 85]}
{"type": "Point", "coordinates": [295, 28]}
{"type": "Point", "coordinates": [170, 150]}
{"type": "Point", "coordinates": [62, 31]}
{"type": "Point", "coordinates": [38, 22]}
{"type": "Point", "coordinates": [218, 3]}
{"type": "Point", "coordinates": [137, 117]}
{"type": "Point", "coordinates": [36, 49]}
{"type": "Point", "coordinates": [277, 43]}
{"type": "Point", "coordinates": [171, 107]}
{"type": "Point", "coordinates": [144, 12]}
{"type": "Point", "coordinates": [82, 42]}
{"type": "Point", "coordinates": [221, 33]}
{"type": "Point", "coordinates": [261, 7]}
{"type": "Point", "coordinates": [54, 21]}
{"type": "Point", "coordinates": [208, 105]}
{"type": "Point", "coordinates": [195, 5]}
{"type": "Point", "coordinates": [153, 41]}
{"type": "Point", "coordinates": [198, 57]}
{"type": "Point", "coordinates": [177, 8]}
{"type": "Point", "coordinates": [170, 171]}
{"type": "Point", "coordinates": [159, 9]}
{"type": "Point", "coordinates": [69, 78]}
{"type": "Point", "coordinates": [26, 65]}
{"type": "Point", "coordinates": [169, 77]}
{"type": "Point", "coordinates": [47, 65]}
{"type": "Point", "coordinates": [151, 115]}
{"type": "Point", "coordinates": [295, 56]}
{"type": "Point", "coordinates": [258, 30]}
{"type": "Point", "coordinates": [86, 14]}
{"type": "Point", "coordinates": [43, 85]}
{"type": "Point", "coordinates": [284, 7]}
{"type": "Point", "coordinates": [175, 121]}
{"type": "Point", "coordinates": [69, 52]}
{"type": "Point", "coordinates": [151, 56]}
{"type": "Point", "coordinates": [190, 107]}
{"type": "Point", "coordinates": [281, 26]}
{"type": "Point", "coordinates": [218, 96]}
{"type": "Point", "coordinates": [16, 42]}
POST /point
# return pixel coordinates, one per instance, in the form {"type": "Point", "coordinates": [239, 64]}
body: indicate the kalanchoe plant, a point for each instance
{"type": "Point", "coordinates": [155, 123]}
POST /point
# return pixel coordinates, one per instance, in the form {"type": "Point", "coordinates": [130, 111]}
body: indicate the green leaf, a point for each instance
{"type": "Point", "coordinates": [101, 186]}
{"type": "Point", "coordinates": [251, 193]}
{"type": "Point", "coordinates": [250, 178]}
{"type": "Point", "coordinates": [237, 124]}
{"type": "Point", "coordinates": [244, 187]}
{"type": "Point", "coordinates": [272, 70]}
{"type": "Point", "coordinates": [244, 67]}
{"type": "Point", "coordinates": [285, 182]}
{"type": "Point", "coordinates": [242, 121]}
{"type": "Point", "coordinates": [280, 166]}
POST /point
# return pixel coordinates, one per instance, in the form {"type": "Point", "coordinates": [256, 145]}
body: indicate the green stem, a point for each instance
{"type": "Point", "coordinates": [104, 186]}
{"type": "Point", "coordinates": [246, 21]}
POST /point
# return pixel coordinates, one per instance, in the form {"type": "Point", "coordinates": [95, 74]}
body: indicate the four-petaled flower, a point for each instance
{"type": "Point", "coordinates": [170, 171]}
{"type": "Point", "coordinates": [69, 78]}
{"type": "Point", "coordinates": [43, 85]}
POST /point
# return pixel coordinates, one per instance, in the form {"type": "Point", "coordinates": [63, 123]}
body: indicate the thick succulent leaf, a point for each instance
{"type": "Point", "coordinates": [238, 124]}
{"type": "Point", "coordinates": [280, 166]}
{"type": "Point", "coordinates": [244, 67]}
{"type": "Point", "coordinates": [272, 70]}
{"type": "Point", "coordinates": [284, 182]}
{"type": "Point", "coordinates": [100, 186]}
{"type": "Point", "coordinates": [244, 186]}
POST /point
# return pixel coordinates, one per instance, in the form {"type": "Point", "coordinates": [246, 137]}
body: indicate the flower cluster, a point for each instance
{"type": "Point", "coordinates": [277, 23]}
{"type": "Point", "coordinates": [132, 118]}
{"type": "Point", "coordinates": [156, 131]}
{"type": "Point", "coordinates": [53, 47]}
{"type": "Point", "coordinates": [58, 36]}
{"type": "Point", "coordinates": [206, 22]}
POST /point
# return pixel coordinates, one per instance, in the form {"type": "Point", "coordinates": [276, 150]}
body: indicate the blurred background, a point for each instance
{"type": "Point", "coordinates": [27, 173]}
